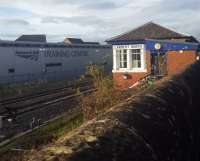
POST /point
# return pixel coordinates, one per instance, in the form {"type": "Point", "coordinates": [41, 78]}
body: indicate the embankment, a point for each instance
{"type": "Point", "coordinates": [160, 124]}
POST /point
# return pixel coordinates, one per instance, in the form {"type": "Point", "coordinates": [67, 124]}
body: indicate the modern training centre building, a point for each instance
{"type": "Point", "coordinates": [150, 49]}
{"type": "Point", "coordinates": [30, 58]}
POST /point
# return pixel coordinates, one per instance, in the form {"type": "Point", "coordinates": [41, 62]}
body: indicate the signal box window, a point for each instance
{"type": "Point", "coordinates": [135, 58]}
{"type": "Point", "coordinates": [122, 58]}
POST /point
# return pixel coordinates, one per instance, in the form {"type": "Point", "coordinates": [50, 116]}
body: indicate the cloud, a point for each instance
{"type": "Point", "coordinates": [9, 36]}
{"type": "Point", "coordinates": [100, 5]}
{"type": "Point", "coordinates": [14, 22]}
{"type": "Point", "coordinates": [178, 5]}
{"type": "Point", "coordinates": [96, 20]}
{"type": "Point", "coordinates": [79, 20]}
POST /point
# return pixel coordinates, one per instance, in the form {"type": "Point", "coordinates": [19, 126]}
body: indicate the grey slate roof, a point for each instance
{"type": "Point", "coordinates": [92, 43]}
{"type": "Point", "coordinates": [150, 30]}
{"type": "Point", "coordinates": [74, 40]}
{"type": "Point", "coordinates": [32, 38]}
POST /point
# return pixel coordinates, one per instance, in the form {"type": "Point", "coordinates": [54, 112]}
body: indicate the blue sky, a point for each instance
{"type": "Point", "coordinates": [94, 20]}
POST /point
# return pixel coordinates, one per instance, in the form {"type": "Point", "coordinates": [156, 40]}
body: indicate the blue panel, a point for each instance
{"type": "Point", "coordinates": [129, 42]}
{"type": "Point", "coordinates": [198, 48]}
{"type": "Point", "coordinates": [167, 46]}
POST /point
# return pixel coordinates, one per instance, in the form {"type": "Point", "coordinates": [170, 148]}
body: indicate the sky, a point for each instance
{"type": "Point", "coordinates": [94, 20]}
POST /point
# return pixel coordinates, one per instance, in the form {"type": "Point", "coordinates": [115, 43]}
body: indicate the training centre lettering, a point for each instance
{"type": "Point", "coordinates": [65, 53]}
{"type": "Point", "coordinates": [34, 54]}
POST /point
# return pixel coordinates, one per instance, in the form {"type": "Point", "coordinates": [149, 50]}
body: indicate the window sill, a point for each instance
{"type": "Point", "coordinates": [130, 71]}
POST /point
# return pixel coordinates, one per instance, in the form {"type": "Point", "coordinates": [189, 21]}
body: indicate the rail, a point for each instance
{"type": "Point", "coordinates": [12, 115]}
{"type": "Point", "coordinates": [12, 107]}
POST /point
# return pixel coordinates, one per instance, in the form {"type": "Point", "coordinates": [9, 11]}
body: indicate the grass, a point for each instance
{"type": "Point", "coordinates": [105, 95]}
{"type": "Point", "coordinates": [45, 134]}
{"type": "Point", "coordinates": [23, 88]}
{"type": "Point", "coordinates": [91, 105]}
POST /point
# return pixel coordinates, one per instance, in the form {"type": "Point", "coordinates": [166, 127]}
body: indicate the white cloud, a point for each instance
{"type": "Point", "coordinates": [13, 22]}
{"type": "Point", "coordinates": [98, 20]}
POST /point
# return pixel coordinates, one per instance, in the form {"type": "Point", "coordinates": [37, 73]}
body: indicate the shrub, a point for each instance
{"type": "Point", "coordinates": [104, 96]}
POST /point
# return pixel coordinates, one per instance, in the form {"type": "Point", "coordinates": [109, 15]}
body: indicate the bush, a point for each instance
{"type": "Point", "coordinates": [104, 96]}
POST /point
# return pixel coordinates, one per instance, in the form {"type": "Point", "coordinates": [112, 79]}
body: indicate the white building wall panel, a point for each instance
{"type": "Point", "coordinates": [35, 63]}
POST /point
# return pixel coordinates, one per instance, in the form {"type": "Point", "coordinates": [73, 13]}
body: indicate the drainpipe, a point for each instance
{"type": "Point", "coordinates": [158, 46]}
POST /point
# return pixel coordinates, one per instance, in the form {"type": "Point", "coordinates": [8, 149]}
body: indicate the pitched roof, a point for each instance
{"type": "Point", "coordinates": [149, 30]}
{"type": "Point", "coordinates": [73, 40]}
{"type": "Point", "coordinates": [32, 38]}
{"type": "Point", "coordinates": [92, 43]}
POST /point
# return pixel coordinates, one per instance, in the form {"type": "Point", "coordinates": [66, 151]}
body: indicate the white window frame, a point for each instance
{"type": "Point", "coordinates": [116, 65]}
{"type": "Point", "coordinates": [120, 54]}
{"type": "Point", "coordinates": [131, 58]}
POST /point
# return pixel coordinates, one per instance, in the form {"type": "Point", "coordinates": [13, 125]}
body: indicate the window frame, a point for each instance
{"type": "Point", "coordinates": [142, 65]}
{"type": "Point", "coordinates": [139, 63]}
{"type": "Point", "coordinates": [122, 62]}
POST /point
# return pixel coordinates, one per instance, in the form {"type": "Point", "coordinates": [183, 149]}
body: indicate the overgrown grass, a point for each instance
{"type": "Point", "coordinates": [45, 134]}
{"type": "Point", "coordinates": [105, 95]}
{"type": "Point", "coordinates": [89, 106]}
{"type": "Point", "coordinates": [24, 88]}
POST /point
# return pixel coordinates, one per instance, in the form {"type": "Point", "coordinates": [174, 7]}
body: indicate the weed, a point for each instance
{"type": "Point", "coordinates": [104, 96]}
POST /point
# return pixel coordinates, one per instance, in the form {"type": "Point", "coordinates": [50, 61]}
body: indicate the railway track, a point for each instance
{"type": "Point", "coordinates": [39, 94]}
{"type": "Point", "coordinates": [14, 106]}
{"type": "Point", "coordinates": [19, 113]}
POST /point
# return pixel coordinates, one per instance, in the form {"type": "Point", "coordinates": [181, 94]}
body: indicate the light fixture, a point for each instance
{"type": "Point", "coordinates": [125, 76]}
{"type": "Point", "coordinates": [181, 51]}
{"type": "Point", "coordinates": [157, 46]}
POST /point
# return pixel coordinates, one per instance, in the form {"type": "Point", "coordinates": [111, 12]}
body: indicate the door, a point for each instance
{"type": "Point", "coordinates": [158, 64]}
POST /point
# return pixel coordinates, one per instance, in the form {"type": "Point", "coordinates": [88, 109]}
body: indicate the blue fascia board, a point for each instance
{"type": "Point", "coordinates": [198, 49]}
{"type": "Point", "coordinates": [166, 45]}
{"type": "Point", "coordinates": [169, 46]}
{"type": "Point", "coordinates": [127, 42]}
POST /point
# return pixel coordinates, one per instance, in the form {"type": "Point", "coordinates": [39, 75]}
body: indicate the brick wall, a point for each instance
{"type": "Point", "coordinates": [176, 61]}
{"type": "Point", "coordinates": [121, 83]}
